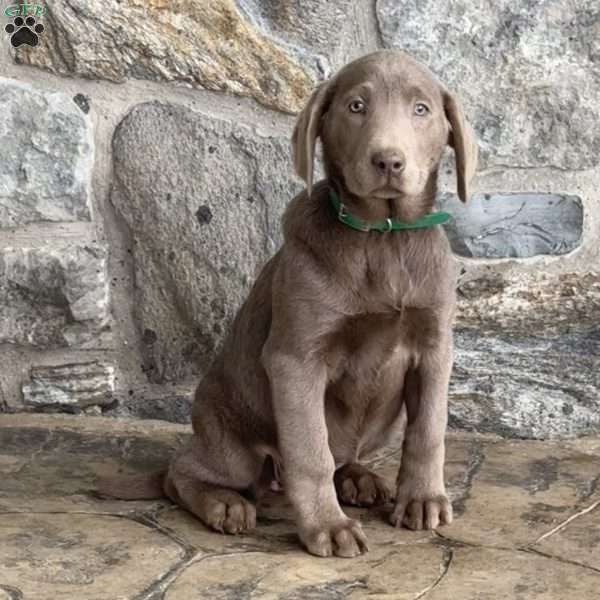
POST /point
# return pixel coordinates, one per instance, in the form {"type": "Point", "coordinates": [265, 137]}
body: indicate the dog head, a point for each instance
{"type": "Point", "coordinates": [384, 121]}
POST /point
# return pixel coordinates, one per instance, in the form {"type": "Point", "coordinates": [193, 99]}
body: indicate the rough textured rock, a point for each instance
{"type": "Point", "coordinates": [513, 225]}
{"type": "Point", "coordinates": [54, 296]}
{"type": "Point", "coordinates": [203, 200]}
{"type": "Point", "coordinates": [527, 359]}
{"type": "Point", "coordinates": [546, 304]}
{"type": "Point", "coordinates": [524, 525]}
{"type": "Point", "coordinates": [46, 156]}
{"type": "Point", "coordinates": [266, 575]}
{"type": "Point", "coordinates": [70, 387]}
{"type": "Point", "coordinates": [315, 31]}
{"type": "Point", "coordinates": [579, 541]}
{"type": "Point", "coordinates": [477, 573]}
{"type": "Point", "coordinates": [528, 72]}
{"type": "Point", "coordinates": [524, 385]}
{"type": "Point", "coordinates": [51, 462]}
{"type": "Point", "coordinates": [210, 45]}
{"type": "Point", "coordinates": [170, 402]}
{"type": "Point", "coordinates": [515, 493]}
{"type": "Point", "coordinates": [50, 555]}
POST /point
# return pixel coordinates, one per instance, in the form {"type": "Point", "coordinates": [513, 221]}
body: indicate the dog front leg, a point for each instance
{"type": "Point", "coordinates": [421, 500]}
{"type": "Point", "coordinates": [298, 390]}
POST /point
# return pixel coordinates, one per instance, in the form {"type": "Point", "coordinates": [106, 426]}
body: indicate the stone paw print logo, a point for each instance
{"type": "Point", "coordinates": [24, 31]}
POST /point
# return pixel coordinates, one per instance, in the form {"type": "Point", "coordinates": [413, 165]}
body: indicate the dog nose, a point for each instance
{"type": "Point", "coordinates": [388, 162]}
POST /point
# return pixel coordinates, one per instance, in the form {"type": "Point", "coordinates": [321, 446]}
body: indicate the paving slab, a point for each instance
{"type": "Point", "coordinates": [487, 574]}
{"type": "Point", "coordinates": [527, 525]}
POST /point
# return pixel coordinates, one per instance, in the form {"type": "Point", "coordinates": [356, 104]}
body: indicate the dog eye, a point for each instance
{"type": "Point", "coordinates": [421, 109]}
{"type": "Point", "coordinates": [357, 106]}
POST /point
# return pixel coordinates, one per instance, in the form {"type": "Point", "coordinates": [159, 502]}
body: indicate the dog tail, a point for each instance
{"type": "Point", "coordinates": [135, 487]}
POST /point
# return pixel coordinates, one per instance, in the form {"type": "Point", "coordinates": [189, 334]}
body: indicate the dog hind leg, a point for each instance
{"type": "Point", "coordinates": [212, 490]}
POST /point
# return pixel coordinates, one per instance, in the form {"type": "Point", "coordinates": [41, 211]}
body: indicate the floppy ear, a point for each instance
{"type": "Point", "coordinates": [462, 139]}
{"type": "Point", "coordinates": [306, 132]}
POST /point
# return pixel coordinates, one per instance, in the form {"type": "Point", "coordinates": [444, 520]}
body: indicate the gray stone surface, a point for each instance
{"type": "Point", "coordinates": [513, 225]}
{"type": "Point", "coordinates": [527, 385]}
{"type": "Point", "coordinates": [520, 302]}
{"type": "Point", "coordinates": [169, 402]}
{"type": "Point", "coordinates": [54, 296]}
{"type": "Point", "coordinates": [527, 358]}
{"type": "Point", "coordinates": [46, 156]}
{"type": "Point", "coordinates": [525, 525]}
{"type": "Point", "coordinates": [70, 387]}
{"type": "Point", "coordinates": [210, 45]}
{"type": "Point", "coordinates": [315, 31]}
{"type": "Point", "coordinates": [528, 72]}
{"type": "Point", "coordinates": [203, 200]}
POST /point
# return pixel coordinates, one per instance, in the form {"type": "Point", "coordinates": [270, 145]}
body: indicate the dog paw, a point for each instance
{"type": "Point", "coordinates": [421, 513]}
{"type": "Point", "coordinates": [357, 486]}
{"type": "Point", "coordinates": [344, 538]}
{"type": "Point", "coordinates": [24, 31]}
{"type": "Point", "coordinates": [227, 511]}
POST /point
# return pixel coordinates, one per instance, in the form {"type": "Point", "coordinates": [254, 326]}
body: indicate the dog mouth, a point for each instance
{"type": "Point", "coordinates": [387, 191]}
{"type": "Point", "coordinates": [381, 187]}
{"type": "Point", "coordinates": [390, 186]}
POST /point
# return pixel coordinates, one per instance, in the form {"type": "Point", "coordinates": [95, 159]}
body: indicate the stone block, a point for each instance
{"type": "Point", "coordinates": [212, 45]}
{"type": "Point", "coordinates": [46, 156]}
{"type": "Point", "coordinates": [203, 200]}
{"type": "Point", "coordinates": [169, 402]}
{"type": "Point", "coordinates": [527, 356]}
{"type": "Point", "coordinates": [70, 387]}
{"type": "Point", "coordinates": [513, 225]}
{"type": "Point", "coordinates": [54, 296]}
{"type": "Point", "coordinates": [319, 33]}
{"type": "Point", "coordinates": [528, 72]}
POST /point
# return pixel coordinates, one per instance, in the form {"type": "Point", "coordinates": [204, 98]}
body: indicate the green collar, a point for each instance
{"type": "Point", "coordinates": [430, 220]}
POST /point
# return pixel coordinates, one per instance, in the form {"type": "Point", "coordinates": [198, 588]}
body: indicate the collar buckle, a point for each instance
{"type": "Point", "coordinates": [389, 225]}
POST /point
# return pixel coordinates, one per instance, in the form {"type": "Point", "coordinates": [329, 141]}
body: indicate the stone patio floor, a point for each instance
{"type": "Point", "coordinates": [527, 526]}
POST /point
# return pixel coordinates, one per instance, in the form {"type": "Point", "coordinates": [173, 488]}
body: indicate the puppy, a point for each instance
{"type": "Point", "coordinates": [345, 341]}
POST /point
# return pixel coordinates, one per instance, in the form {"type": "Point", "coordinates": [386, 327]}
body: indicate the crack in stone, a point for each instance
{"type": "Point", "coordinates": [446, 562]}
{"type": "Point", "coordinates": [160, 587]}
{"type": "Point", "coordinates": [145, 520]}
{"type": "Point", "coordinates": [495, 223]}
{"type": "Point", "coordinates": [564, 523]}
{"type": "Point", "coordinates": [444, 540]}
{"type": "Point", "coordinates": [377, 563]}
{"type": "Point", "coordinates": [560, 559]}
{"type": "Point", "coordinates": [150, 522]}
{"type": "Point", "coordinates": [157, 590]}
{"type": "Point", "coordinates": [453, 543]}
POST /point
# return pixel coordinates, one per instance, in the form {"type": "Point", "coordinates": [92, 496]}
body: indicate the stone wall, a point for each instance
{"type": "Point", "coordinates": [145, 164]}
